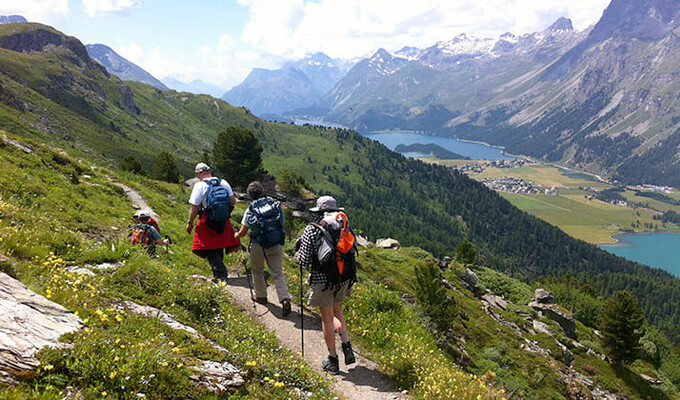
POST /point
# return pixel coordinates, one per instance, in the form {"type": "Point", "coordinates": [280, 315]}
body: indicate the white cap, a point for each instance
{"type": "Point", "coordinates": [200, 167]}
{"type": "Point", "coordinates": [144, 213]}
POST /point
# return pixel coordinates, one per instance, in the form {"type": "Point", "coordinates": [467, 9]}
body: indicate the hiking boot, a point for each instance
{"type": "Point", "coordinates": [348, 353]}
{"type": "Point", "coordinates": [217, 279]}
{"type": "Point", "coordinates": [285, 306]}
{"type": "Point", "coordinates": [331, 365]}
{"type": "Point", "coordinates": [261, 300]}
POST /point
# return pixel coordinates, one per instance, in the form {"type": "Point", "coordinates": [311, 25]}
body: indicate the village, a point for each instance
{"type": "Point", "coordinates": [479, 168]}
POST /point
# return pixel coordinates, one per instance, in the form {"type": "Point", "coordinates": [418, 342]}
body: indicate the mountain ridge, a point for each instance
{"type": "Point", "coordinates": [121, 67]}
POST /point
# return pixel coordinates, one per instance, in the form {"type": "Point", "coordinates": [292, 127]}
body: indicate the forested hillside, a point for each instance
{"type": "Point", "coordinates": [51, 91]}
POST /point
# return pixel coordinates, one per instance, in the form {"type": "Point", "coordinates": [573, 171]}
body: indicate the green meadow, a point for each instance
{"type": "Point", "coordinates": [572, 211]}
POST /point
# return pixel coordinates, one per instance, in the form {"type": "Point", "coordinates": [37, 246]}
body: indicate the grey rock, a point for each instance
{"type": "Point", "coordinates": [495, 301]}
{"type": "Point", "coordinates": [541, 327]}
{"type": "Point", "coordinates": [565, 320]}
{"type": "Point", "coordinates": [652, 381]}
{"type": "Point", "coordinates": [543, 296]}
{"type": "Point", "coordinates": [568, 356]}
{"type": "Point", "coordinates": [28, 323]}
{"type": "Point", "coordinates": [470, 279]}
{"type": "Point", "coordinates": [362, 241]}
{"type": "Point", "coordinates": [387, 244]}
{"type": "Point", "coordinates": [217, 377]}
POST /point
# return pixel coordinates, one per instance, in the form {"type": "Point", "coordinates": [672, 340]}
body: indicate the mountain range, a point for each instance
{"type": "Point", "coordinates": [296, 85]}
{"type": "Point", "coordinates": [602, 100]}
{"type": "Point", "coordinates": [196, 86]}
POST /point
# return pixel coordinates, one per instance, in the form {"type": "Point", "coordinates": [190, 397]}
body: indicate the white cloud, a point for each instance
{"type": "Point", "coordinates": [45, 11]}
{"type": "Point", "coordinates": [347, 28]}
{"type": "Point", "coordinates": [101, 7]}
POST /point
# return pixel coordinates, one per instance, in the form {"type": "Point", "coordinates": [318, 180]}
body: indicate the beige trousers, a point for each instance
{"type": "Point", "coordinates": [275, 264]}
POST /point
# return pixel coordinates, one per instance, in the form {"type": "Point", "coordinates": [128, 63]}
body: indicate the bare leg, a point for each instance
{"type": "Point", "coordinates": [339, 318]}
{"type": "Point", "coordinates": [328, 327]}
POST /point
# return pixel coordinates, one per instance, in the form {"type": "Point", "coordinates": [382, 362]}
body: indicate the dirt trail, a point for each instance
{"type": "Point", "coordinates": [135, 197]}
{"type": "Point", "coordinates": [360, 381]}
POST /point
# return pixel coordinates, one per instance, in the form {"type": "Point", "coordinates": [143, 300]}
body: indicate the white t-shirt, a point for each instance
{"type": "Point", "coordinates": [198, 194]}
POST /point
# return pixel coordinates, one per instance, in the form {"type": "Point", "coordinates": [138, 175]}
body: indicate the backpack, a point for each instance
{"type": "Point", "coordinates": [218, 202]}
{"type": "Point", "coordinates": [337, 251]}
{"type": "Point", "coordinates": [139, 234]}
{"type": "Point", "coordinates": [266, 222]}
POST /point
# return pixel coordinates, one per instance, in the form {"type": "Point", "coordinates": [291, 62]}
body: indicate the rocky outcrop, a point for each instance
{"type": "Point", "coordinates": [543, 303]}
{"type": "Point", "coordinates": [470, 280]}
{"type": "Point", "coordinates": [543, 296]}
{"type": "Point", "coordinates": [494, 300]}
{"type": "Point", "coordinates": [28, 149]}
{"type": "Point", "coordinates": [44, 39]}
{"type": "Point", "coordinates": [28, 323]}
{"type": "Point", "coordinates": [129, 101]}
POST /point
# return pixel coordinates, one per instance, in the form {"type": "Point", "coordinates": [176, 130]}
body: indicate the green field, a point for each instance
{"type": "Point", "coordinates": [591, 220]}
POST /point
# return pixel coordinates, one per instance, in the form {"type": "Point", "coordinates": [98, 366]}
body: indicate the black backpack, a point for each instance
{"type": "Point", "coordinates": [266, 222]}
{"type": "Point", "coordinates": [337, 253]}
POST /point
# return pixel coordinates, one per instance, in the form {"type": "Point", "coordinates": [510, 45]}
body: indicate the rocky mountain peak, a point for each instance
{"type": "Point", "coordinates": [562, 24]}
{"type": "Point", "coordinates": [641, 19]}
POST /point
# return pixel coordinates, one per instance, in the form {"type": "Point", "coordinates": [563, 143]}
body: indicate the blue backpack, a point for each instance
{"type": "Point", "coordinates": [266, 222]}
{"type": "Point", "coordinates": [218, 202]}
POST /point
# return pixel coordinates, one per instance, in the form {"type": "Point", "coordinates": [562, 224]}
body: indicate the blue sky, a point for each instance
{"type": "Point", "coordinates": [220, 41]}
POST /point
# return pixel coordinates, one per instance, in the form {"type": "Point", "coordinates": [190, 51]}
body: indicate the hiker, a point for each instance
{"type": "Point", "coordinates": [144, 233]}
{"type": "Point", "coordinates": [329, 286]}
{"type": "Point", "coordinates": [264, 219]}
{"type": "Point", "coordinates": [213, 236]}
{"type": "Point", "coordinates": [151, 221]}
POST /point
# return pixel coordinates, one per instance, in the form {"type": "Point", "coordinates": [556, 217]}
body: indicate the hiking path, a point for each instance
{"type": "Point", "coordinates": [360, 381]}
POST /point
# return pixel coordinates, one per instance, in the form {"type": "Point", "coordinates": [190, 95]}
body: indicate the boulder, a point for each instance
{"type": "Point", "coordinates": [362, 241]}
{"type": "Point", "coordinates": [543, 296]}
{"type": "Point", "coordinates": [387, 244]}
{"type": "Point", "coordinates": [495, 301]}
{"type": "Point", "coordinates": [541, 327]}
{"type": "Point", "coordinates": [470, 279]}
{"type": "Point", "coordinates": [28, 323]}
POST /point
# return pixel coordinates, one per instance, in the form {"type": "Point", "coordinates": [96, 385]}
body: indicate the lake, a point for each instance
{"type": "Point", "coordinates": [476, 151]}
{"type": "Point", "coordinates": [659, 250]}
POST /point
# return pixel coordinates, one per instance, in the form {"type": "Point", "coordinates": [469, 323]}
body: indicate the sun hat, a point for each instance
{"type": "Point", "coordinates": [136, 214]}
{"type": "Point", "coordinates": [201, 167]}
{"type": "Point", "coordinates": [326, 203]}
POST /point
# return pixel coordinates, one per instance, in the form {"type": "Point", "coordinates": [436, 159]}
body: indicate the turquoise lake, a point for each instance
{"type": "Point", "coordinates": [659, 250]}
{"type": "Point", "coordinates": [476, 151]}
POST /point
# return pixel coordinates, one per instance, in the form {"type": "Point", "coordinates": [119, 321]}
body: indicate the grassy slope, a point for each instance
{"type": "Point", "coordinates": [55, 217]}
{"type": "Point", "coordinates": [44, 233]}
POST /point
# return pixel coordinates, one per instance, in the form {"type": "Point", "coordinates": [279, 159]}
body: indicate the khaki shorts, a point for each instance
{"type": "Point", "coordinates": [325, 298]}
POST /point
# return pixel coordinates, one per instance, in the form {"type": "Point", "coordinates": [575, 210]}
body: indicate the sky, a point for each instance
{"type": "Point", "coordinates": [221, 41]}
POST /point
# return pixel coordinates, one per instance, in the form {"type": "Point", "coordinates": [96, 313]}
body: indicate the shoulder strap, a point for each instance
{"type": "Point", "coordinates": [325, 232]}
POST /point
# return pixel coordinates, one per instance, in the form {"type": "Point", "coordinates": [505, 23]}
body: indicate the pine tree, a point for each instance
{"type": "Point", "coordinates": [465, 252]}
{"type": "Point", "coordinates": [165, 168]}
{"type": "Point", "coordinates": [237, 154]}
{"type": "Point", "coordinates": [621, 322]}
{"type": "Point", "coordinates": [432, 296]}
{"type": "Point", "coordinates": [131, 164]}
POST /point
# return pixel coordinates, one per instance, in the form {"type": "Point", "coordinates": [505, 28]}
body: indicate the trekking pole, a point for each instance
{"type": "Point", "coordinates": [302, 318]}
{"type": "Point", "coordinates": [250, 285]}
